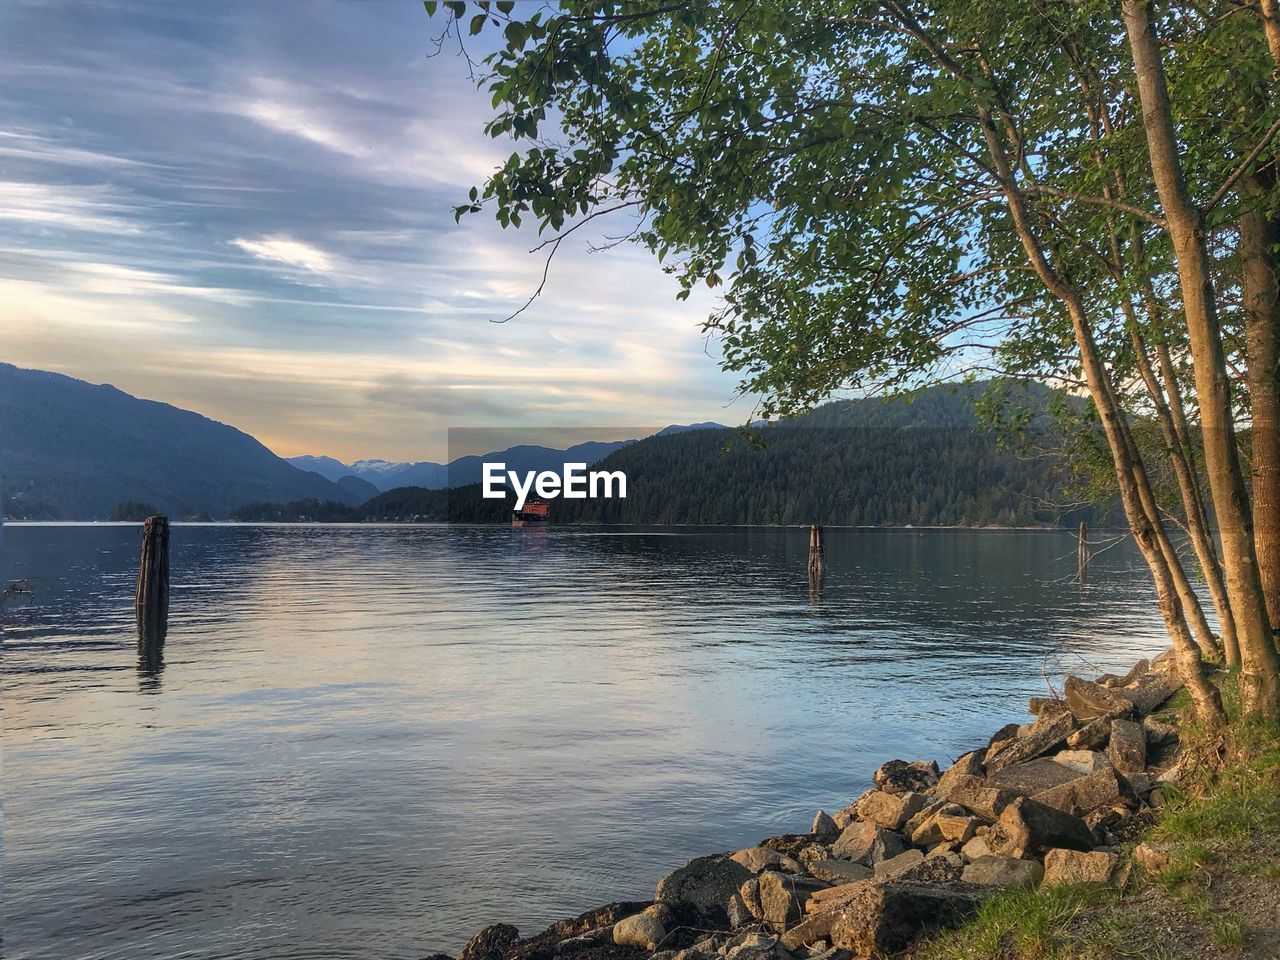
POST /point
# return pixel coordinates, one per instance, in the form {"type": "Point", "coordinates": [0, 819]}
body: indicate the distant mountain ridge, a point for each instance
{"type": "Point", "coordinates": [71, 450]}
{"type": "Point", "coordinates": [388, 475]}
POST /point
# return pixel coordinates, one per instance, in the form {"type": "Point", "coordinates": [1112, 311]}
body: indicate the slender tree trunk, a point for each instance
{"type": "Point", "coordinates": [1260, 670]}
{"type": "Point", "coordinates": [1148, 535]}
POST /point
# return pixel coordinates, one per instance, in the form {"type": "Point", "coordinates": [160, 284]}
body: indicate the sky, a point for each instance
{"type": "Point", "coordinates": [245, 209]}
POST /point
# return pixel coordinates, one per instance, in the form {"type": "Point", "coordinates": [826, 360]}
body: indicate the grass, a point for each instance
{"type": "Point", "coordinates": [1225, 817]}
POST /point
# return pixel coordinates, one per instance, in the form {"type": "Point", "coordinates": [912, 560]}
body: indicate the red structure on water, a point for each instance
{"type": "Point", "coordinates": [534, 514]}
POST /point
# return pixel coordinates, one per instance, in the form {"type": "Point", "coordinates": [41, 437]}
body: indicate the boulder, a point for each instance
{"type": "Point", "coordinates": [912, 825]}
{"type": "Point", "coordinates": [886, 918]}
{"type": "Point", "coordinates": [1049, 730]}
{"type": "Point", "coordinates": [1088, 700]}
{"type": "Point", "coordinates": [739, 915]}
{"type": "Point", "coordinates": [1030, 827]}
{"type": "Point", "coordinates": [1127, 749]}
{"type": "Point", "coordinates": [1033, 777]}
{"type": "Point", "coordinates": [792, 844]}
{"type": "Point", "coordinates": [1136, 671]}
{"type": "Point", "coordinates": [1076, 866]}
{"type": "Point", "coordinates": [839, 871]}
{"type": "Point", "coordinates": [896, 866]}
{"type": "Point", "coordinates": [703, 887]}
{"type": "Point", "coordinates": [1149, 691]}
{"type": "Point", "coordinates": [958, 828]}
{"type": "Point", "coordinates": [824, 826]}
{"type": "Point", "coordinates": [930, 832]}
{"type": "Point", "coordinates": [890, 810]}
{"type": "Point", "coordinates": [969, 765]}
{"type": "Point", "coordinates": [1008, 732]}
{"type": "Point", "coordinates": [605, 916]}
{"type": "Point", "coordinates": [782, 897]}
{"type": "Point", "coordinates": [845, 817]}
{"type": "Point", "coordinates": [490, 943]}
{"type": "Point", "coordinates": [1009, 873]}
{"type": "Point", "coordinates": [1083, 761]}
{"type": "Point", "coordinates": [1084, 794]}
{"type": "Point", "coordinates": [645, 930]}
{"type": "Point", "coordinates": [868, 844]}
{"type": "Point", "coordinates": [1092, 736]}
{"type": "Point", "coordinates": [810, 930]}
{"type": "Point", "coordinates": [1152, 858]}
{"type": "Point", "coordinates": [832, 897]}
{"type": "Point", "coordinates": [975, 849]}
{"type": "Point", "coordinates": [898, 776]}
{"type": "Point", "coordinates": [979, 797]}
{"type": "Point", "coordinates": [752, 945]}
{"type": "Point", "coordinates": [943, 868]}
{"type": "Point", "coordinates": [756, 859]}
{"type": "Point", "coordinates": [1158, 732]}
{"type": "Point", "coordinates": [749, 894]}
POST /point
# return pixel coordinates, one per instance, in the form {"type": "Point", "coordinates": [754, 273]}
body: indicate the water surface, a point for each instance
{"type": "Point", "coordinates": [368, 742]}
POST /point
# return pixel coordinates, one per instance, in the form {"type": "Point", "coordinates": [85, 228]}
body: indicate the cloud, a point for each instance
{"type": "Point", "coordinates": [286, 250]}
{"type": "Point", "coordinates": [91, 208]}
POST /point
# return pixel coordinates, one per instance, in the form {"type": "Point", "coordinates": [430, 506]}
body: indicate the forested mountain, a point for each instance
{"type": "Point", "coordinates": [74, 450]}
{"type": "Point", "coordinates": [862, 462]}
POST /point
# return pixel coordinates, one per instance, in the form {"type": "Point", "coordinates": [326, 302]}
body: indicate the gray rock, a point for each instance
{"type": "Point", "coordinates": [1010, 873]}
{"type": "Point", "coordinates": [1033, 777]}
{"type": "Point", "coordinates": [1049, 730]}
{"type": "Point", "coordinates": [739, 915]}
{"type": "Point", "coordinates": [782, 897]}
{"type": "Point", "coordinates": [979, 797]}
{"type": "Point", "coordinates": [1077, 866]}
{"type": "Point", "coordinates": [898, 776]}
{"type": "Point", "coordinates": [896, 866]}
{"type": "Point", "coordinates": [1084, 794]}
{"type": "Point", "coordinates": [930, 831]}
{"type": "Point", "coordinates": [756, 859]}
{"type": "Point", "coordinates": [1127, 749]}
{"type": "Point", "coordinates": [868, 844]}
{"type": "Point", "coordinates": [890, 810]}
{"type": "Point", "coordinates": [824, 826]}
{"type": "Point", "coordinates": [490, 943]}
{"type": "Point", "coordinates": [1093, 735]}
{"type": "Point", "coordinates": [704, 885]}
{"type": "Point", "coordinates": [1158, 732]}
{"type": "Point", "coordinates": [975, 849]}
{"type": "Point", "coordinates": [968, 765]}
{"type": "Point", "coordinates": [839, 871]}
{"type": "Point", "coordinates": [1030, 827]}
{"type": "Point", "coordinates": [884, 919]}
{"type": "Point", "coordinates": [811, 930]}
{"type": "Point", "coordinates": [644, 930]}
{"type": "Point", "coordinates": [1083, 761]}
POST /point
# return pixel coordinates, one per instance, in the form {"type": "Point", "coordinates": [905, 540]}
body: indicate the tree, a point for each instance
{"type": "Point", "coordinates": [892, 193]}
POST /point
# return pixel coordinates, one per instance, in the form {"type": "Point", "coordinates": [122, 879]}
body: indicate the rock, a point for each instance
{"type": "Point", "coordinates": [929, 832]}
{"type": "Point", "coordinates": [1009, 873]}
{"type": "Point", "coordinates": [749, 894]}
{"type": "Point", "coordinates": [1008, 732]}
{"type": "Point", "coordinates": [792, 844]}
{"type": "Point", "coordinates": [645, 930]}
{"type": "Point", "coordinates": [702, 950]}
{"type": "Point", "coordinates": [703, 886]}
{"type": "Point", "coordinates": [941, 869]}
{"type": "Point", "coordinates": [1149, 691]}
{"type": "Point", "coordinates": [756, 859]}
{"type": "Point", "coordinates": [1033, 776]}
{"type": "Point", "coordinates": [1136, 671]}
{"type": "Point", "coordinates": [1075, 866]}
{"type": "Point", "coordinates": [898, 776]}
{"type": "Point", "coordinates": [1127, 749]}
{"type": "Point", "coordinates": [1047, 732]}
{"type": "Point", "coordinates": [782, 897]}
{"type": "Point", "coordinates": [1152, 858]}
{"type": "Point", "coordinates": [1083, 761]}
{"type": "Point", "coordinates": [969, 765]}
{"type": "Point", "coordinates": [810, 930]}
{"type": "Point", "coordinates": [1088, 700]}
{"type": "Point", "coordinates": [868, 844]}
{"type": "Point", "coordinates": [1140, 783]}
{"type": "Point", "coordinates": [739, 915]}
{"type": "Point", "coordinates": [1092, 735]}
{"type": "Point", "coordinates": [1084, 794]}
{"type": "Point", "coordinates": [839, 871]}
{"type": "Point", "coordinates": [977, 796]}
{"type": "Point", "coordinates": [824, 826]}
{"type": "Point", "coordinates": [753, 946]}
{"type": "Point", "coordinates": [1158, 732]}
{"type": "Point", "coordinates": [912, 825]}
{"type": "Point", "coordinates": [832, 897]}
{"type": "Point", "coordinates": [975, 849]}
{"type": "Point", "coordinates": [845, 817]}
{"type": "Point", "coordinates": [958, 828]}
{"type": "Point", "coordinates": [895, 866]}
{"type": "Point", "coordinates": [886, 918]}
{"type": "Point", "coordinates": [1031, 827]}
{"type": "Point", "coordinates": [890, 810]}
{"type": "Point", "coordinates": [605, 916]}
{"type": "Point", "coordinates": [490, 943]}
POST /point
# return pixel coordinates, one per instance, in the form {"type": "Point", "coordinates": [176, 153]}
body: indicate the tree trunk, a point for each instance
{"type": "Point", "coordinates": [1260, 670]}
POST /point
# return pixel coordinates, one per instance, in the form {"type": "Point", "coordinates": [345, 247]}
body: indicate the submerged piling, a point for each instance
{"type": "Point", "coordinates": [817, 550]}
{"type": "Point", "coordinates": [151, 601]}
{"type": "Point", "coordinates": [1082, 553]}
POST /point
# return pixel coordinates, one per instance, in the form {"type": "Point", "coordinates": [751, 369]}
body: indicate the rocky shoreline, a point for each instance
{"type": "Point", "coordinates": [1057, 800]}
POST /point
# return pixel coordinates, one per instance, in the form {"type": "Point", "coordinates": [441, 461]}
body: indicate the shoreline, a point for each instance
{"type": "Point", "coordinates": [1053, 801]}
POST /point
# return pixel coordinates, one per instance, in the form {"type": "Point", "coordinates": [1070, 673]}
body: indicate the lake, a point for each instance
{"type": "Point", "coordinates": [369, 742]}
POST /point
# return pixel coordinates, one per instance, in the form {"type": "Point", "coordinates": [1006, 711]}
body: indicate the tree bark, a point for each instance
{"type": "Point", "coordinates": [1260, 670]}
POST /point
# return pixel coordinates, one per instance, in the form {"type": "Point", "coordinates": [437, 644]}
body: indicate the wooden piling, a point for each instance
{"type": "Point", "coordinates": [151, 601]}
{"type": "Point", "coordinates": [1082, 552]}
{"type": "Point", "coordinates": [817, 550]}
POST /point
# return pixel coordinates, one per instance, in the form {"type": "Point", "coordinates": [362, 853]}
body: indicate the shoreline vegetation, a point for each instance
{"type": "Point", "coordinates": [1112, 825]}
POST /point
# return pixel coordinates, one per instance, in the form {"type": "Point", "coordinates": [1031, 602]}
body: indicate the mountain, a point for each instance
{"type": "Point", "coordinates": [74, 450]}
{"type": "Point", "coordinates": [358, 487]}
{"type": "Point", "coordinates": [386, 475]}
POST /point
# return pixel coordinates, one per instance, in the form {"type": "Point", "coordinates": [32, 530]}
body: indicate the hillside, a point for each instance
{"type": "Point", "coordinates": [73, 450]}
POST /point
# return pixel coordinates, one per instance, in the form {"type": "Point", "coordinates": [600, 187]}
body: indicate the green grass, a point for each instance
{"type": "Point", "coordinates": [1030, 924]}
{"type": "Point", "coordinates": [1228, 932]}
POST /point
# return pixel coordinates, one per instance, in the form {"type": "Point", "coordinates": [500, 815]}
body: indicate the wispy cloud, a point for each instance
{"type": "Point", "coordinates": [286, 250]}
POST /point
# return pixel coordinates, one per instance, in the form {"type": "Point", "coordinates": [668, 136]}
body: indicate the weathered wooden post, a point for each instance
{"type": "Point", "coordinates": [151, 602]}
{"type": "Point", "coordinates": [1082, 553]}
{"type": "Point", "coordinates": [817, 551]}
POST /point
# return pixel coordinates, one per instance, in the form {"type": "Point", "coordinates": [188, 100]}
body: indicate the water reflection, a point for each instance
{"type": "Point", "coordinates": [374, 741]}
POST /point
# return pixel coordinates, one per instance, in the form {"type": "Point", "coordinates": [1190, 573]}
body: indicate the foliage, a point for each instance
{"type": "Point", "coordinates": [297, 511]}
{"type": "Point", "coordinates": [132, 511]}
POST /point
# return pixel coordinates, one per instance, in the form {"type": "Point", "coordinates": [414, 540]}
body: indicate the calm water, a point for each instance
{"type": "Point", "coordinates": [370, 742]}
